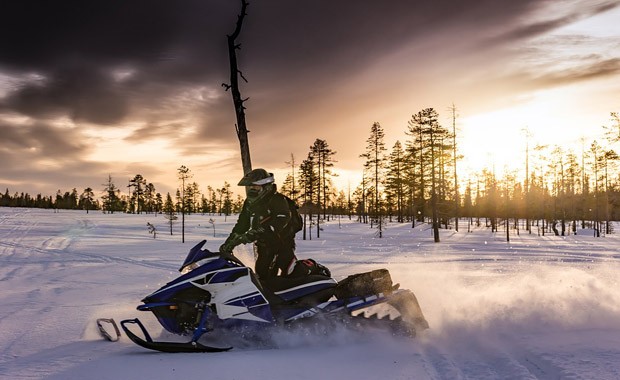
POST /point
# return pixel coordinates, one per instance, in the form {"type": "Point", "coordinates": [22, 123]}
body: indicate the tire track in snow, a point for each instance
{"type": "Point", "coordinates": [56, 248]}
{"type": "Point", "coordinates": [124, 260]}
{"type": "Point", "coordinates": [477, 358]}
{"type": "Point", "coordinates": [10, 274]}
{"type": "Point", "coordinates": [439, 365]}
{"type": "Point", "coordinates": [542, 368]}
{"type": "Point", "coordinates": [18, 232]}
{"type": "Point", "coordinates": [60, 256]}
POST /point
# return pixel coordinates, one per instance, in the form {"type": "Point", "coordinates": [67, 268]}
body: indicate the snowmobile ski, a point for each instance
{"type": "Point", "coordinates": [170, 347]}
{"type": "Point", "coordinates": [105, 333]}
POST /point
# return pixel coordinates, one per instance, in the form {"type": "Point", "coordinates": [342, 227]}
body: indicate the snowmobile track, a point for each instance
{"type": "Point", "coordinates": [489, 361]}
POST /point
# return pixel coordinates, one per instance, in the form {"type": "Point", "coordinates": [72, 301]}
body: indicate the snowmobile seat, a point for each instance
{"type": "Point", "coordinates": [295, 288]}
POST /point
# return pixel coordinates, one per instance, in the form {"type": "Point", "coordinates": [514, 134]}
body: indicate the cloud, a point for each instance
{"type": "Point", "coordinates": [38, 141]}
{"type": "Point", "coordinates": [78, 91]}
{"type": "Point", "coordinates": [292, 55]}
{"type": "Point", "coordinates": [552, 16]}
{"type": "Point", "coordinates": [316, 69]}
{"type": "Point", "coordinates": [43, 34]}
{"type": "Point", "coordinates": [597, 69]}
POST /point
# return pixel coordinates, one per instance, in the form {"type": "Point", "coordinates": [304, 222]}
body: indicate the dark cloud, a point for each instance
{"type": "Point", "coordinates": [565, 16]}
{"type": "Point", "coordinates": [36, 141]}
{"type": "Point", "coordinates": [157, 67]}
{"type": "Point", "coordinates": [153, 131]}
{"type": "Point", "coordinates": [77, 91]}
{"type": "Point", "coordinates": [76, 46]}
{"type": "Point", "coordinates": [598, 69]}
{"type": "Point", "coordinates": [40, 34]}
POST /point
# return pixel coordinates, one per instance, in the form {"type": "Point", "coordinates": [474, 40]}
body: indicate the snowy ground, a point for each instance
{"type": "Point", "coordinates": [535, 308]}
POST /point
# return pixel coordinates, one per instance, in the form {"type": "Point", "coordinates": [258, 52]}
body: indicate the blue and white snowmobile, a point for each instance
{"type": "Point", "coordinates": [217, 291]}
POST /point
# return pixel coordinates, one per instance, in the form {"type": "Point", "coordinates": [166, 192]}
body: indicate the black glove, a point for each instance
{"type": "Point", "coordinates": [235, 239]}
{"type": "Point", "coordinates": [227, 247]}
{"type": "Point", "coordinates": [252, 234]}
{"type": "Point", "coordinates": [230, 243]}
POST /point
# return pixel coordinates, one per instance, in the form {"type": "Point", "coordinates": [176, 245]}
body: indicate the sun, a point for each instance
{"type": "Point", "coordinates": [499, 140]}
{"type": "Point", "coordinates": [491, 141]}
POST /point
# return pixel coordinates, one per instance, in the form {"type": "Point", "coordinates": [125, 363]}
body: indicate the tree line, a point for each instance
{"type": "Point", "coordinates": [417, 181]}
{"type": "Point", "coordinates": [140, 197]}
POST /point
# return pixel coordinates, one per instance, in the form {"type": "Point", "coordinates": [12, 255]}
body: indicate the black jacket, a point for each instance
{"type": "Point", "coordinates": [272, 213]}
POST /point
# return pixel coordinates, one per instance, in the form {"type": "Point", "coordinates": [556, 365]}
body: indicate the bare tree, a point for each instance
{"type": "Point", "coordinates": [288, 186]}
{"type": "Point", "coordinates": [609, 157]}
{"type": "Point", "coordinates": [528, 134]}
{"type": "Point", "coordinates": [183, 174]}
{"type": "Point", "coordinates": [613, 132]}
{"type": "Point", "coordinates": [597, 154]}
{"type": "Point", "coordinates": [238, 101]}
{"type": "Point", "coordinates": [457, 201]}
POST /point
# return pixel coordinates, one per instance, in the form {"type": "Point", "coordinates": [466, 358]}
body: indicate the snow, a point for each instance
{"type": "Point", "coordinates": [537, 307]}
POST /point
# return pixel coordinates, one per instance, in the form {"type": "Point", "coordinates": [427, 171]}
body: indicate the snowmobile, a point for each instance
{"type": "Point", "coordinates": [217, 291]}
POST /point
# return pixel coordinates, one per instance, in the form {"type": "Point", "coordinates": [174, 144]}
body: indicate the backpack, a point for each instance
{"type": "Point", "coordinates": [365, 284]}
{"type": "Point", "coordinates": [296, 224]}
{"type": "Point", "coordinates": [308, 267]}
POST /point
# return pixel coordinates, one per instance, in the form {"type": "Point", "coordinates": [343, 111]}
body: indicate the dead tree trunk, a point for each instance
{"type": "Point", "coordinates": [235, 73]}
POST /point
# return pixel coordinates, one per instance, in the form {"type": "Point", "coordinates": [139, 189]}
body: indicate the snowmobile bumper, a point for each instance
{"type": "Point", "coordinates": [150, 344]}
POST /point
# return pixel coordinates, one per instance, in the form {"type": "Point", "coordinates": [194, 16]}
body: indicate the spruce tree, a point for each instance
{"type": "Point", "coordinates": [375, 165]}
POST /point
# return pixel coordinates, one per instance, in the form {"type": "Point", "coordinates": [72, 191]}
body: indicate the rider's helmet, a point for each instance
{"type": "Point", "coordinates": [258, 177]}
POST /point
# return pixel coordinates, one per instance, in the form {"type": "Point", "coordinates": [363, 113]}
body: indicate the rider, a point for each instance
{"type": "Point", "coordinates": [266, 220]}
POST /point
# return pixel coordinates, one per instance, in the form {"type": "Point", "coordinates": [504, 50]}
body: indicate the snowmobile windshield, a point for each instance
{"type": "Point", "coordinates": [195, 255]}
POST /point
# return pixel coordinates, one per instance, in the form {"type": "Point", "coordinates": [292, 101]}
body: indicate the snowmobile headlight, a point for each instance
{"type": "Point", "coordinates": [189, 268]}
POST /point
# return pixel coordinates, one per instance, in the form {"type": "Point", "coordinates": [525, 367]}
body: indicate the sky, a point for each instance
{"type": "Point", "coordinates": [98, 88]}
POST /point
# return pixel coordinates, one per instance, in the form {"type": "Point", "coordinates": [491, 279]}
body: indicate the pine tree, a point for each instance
{"type": "Point", "coordinates": [322, 156]}
{"type": "Point", "coordinates": [395, 179]}
{"type": "Point", "coordinates": [375, 165]}
{"type": "Point", "coordinates": [110, 197]}
{"type": "Point", "coordinates": [149, 198]}
{"type": "Point", "coordinates": [227, 202]}
{"type": "Point", "coordinates": [308, 183]}
{"type": "Point", "coordinates": [87, 199]}
{"type": "Point", "coordinates": [169, 211]}
{"type": "Point", "coordinates": [73, 199]}
{"type": "Point", "coordinates": [5, 200]}
{"type": "Point", "coordinates": [431, 150]}
{"type": "Point", "coordinates": [159, 203]}
{"type": "Point", "coordinates": [138, 183]}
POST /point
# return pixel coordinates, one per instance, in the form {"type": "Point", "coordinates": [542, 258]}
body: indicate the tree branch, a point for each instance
{"type": "Point", "coordinates": [242, 76]}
